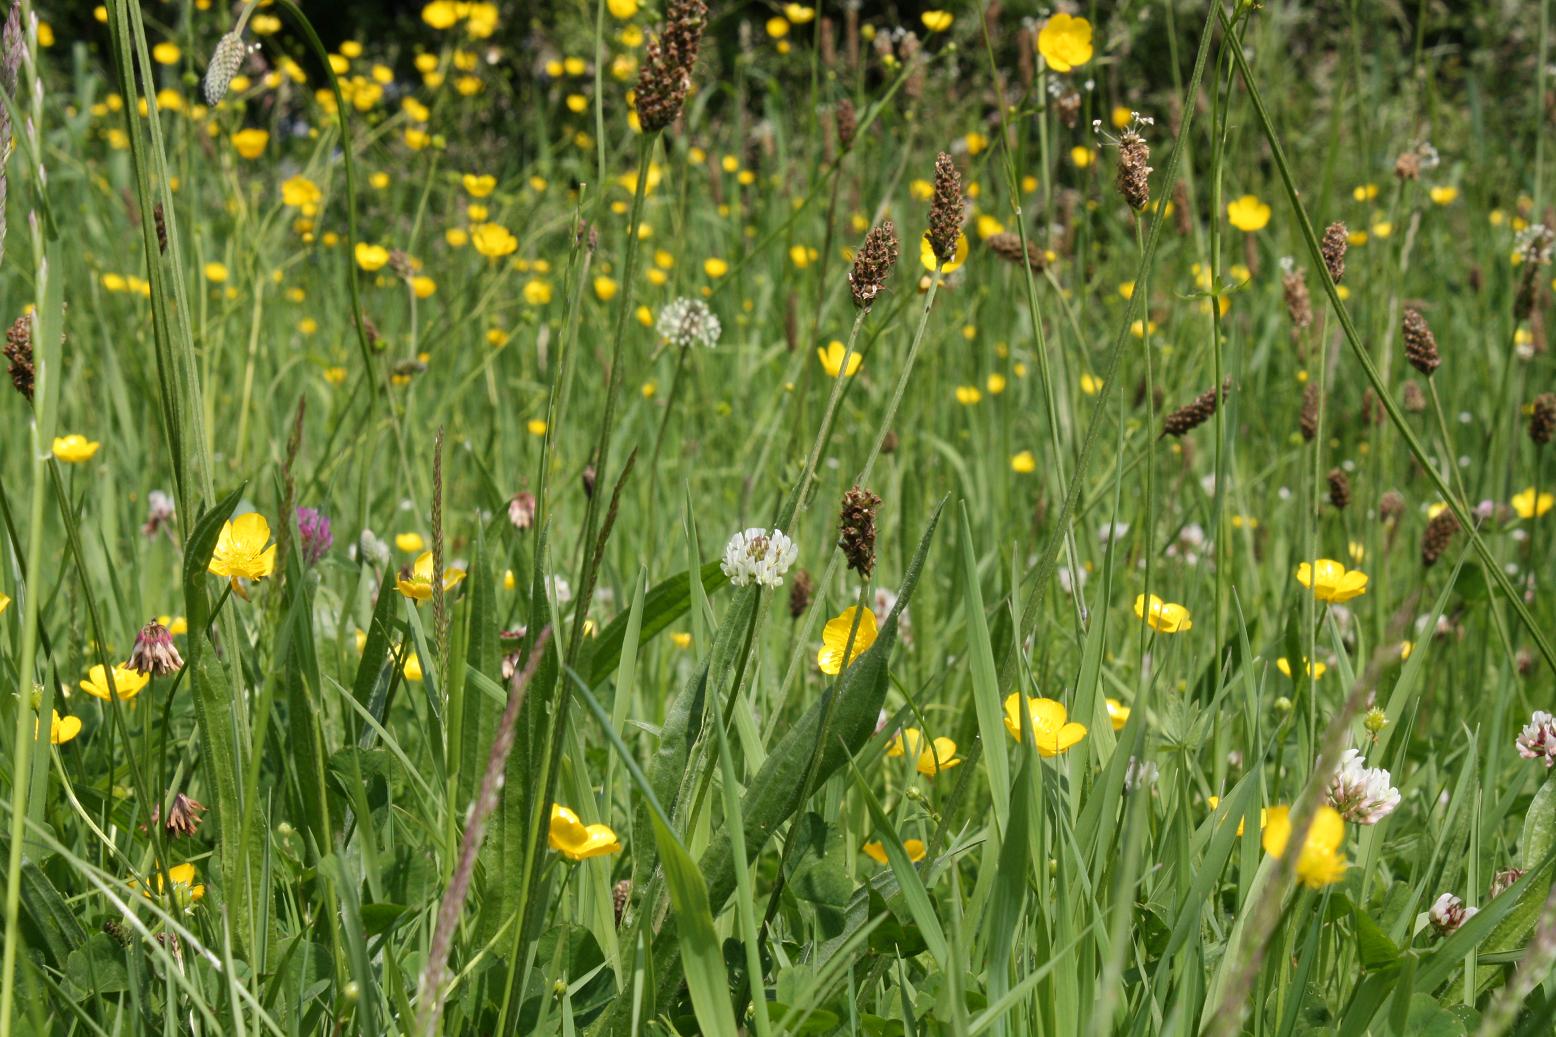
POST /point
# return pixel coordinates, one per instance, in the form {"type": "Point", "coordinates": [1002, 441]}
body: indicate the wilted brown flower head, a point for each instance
{"type": "Point", "coordinates": [18, 355]}
{"type": "Point", "coordinates": [1336, 240]}
{"type": "Point", "coordinates": [856, 529]}
{"type": "Point", "coordinates": [1187, 418]}
{"type": "Point", "coordinates": [1007, 246]}
{"type": "Point", "coordinates": [154, 653]}
{"type": "Point", "coordinates": [1542, 418]}
{"type": "Point", "coordinates": [1420, 343]}
{"type": "Point", "coordinates": [873, 264]}
{"type": "Point", "coordinates": [1339, 488]}
{"type": "Point", "coordinates": [945, 211]}
{"type": "Point", "coordinates": [1134, 168]}
{"type": "Point", "coordinates": [183, 816]}
{"type": "Point", "coordinates": [667, 64]}
{"type": "Point", "coordinates": [1439, 533]}
{"type": "Point", "coordinates": [847, 123]}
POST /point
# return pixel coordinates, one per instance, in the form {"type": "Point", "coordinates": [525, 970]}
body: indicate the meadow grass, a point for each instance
{"type": "Point", "coordinates": [773, 519]}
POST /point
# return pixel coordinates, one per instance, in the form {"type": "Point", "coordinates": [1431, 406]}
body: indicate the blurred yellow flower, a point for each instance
{"type": "Point", "coordinates": [1052, 730]}
{"type": "Point", "coordinates": [74, 448]}
{"type": "Point", "coordinates": [715, 267]}
{"type": "Point", "coordinates": [126, 682]}
{"type": "Point", "coordinates": [299, 192]}
{"type": "Point", "coordinates": [930, 757]}
{"type": "Point", "coordinates": [537, 292]}
{"type": "Point", "coordinates": [410, 543]}
{"type": "Point", "coordinates": [967, 395]}
{"type": "Point", "coordinates": [604, 288]}
{"type": "Point", "coordinates": [834, 639]}
{"type": "Point", "coordinates": [412, 668]}
{"type": "Point", "coordinates": [1444, 194]}
{"type": "Point", "coordinates": [5, 602]}
{"type": "Point", "coordinates": [1248, 213]}
{"type": "Point", "coordinates": [216, 273]}
{"type": "Point", "coordinates": [370, 257]}
{"type": "Point", "coordinates": [1528, 504]}
{"type": "Point", "coordinates": [61, 729]}
{"type": "Point", "coordinates": [622, 9]}
{"type": "Point", "coordinates": [1091, 385]}
{"type": "Point", "coordinates": [877, 851]}
{"type": "Point", "coordinates": [479, 185]}
{"type": "Point", "coordinates": [1081, 155]}
{"type": "Point", "coordinates": [1065, 42]}
{"type": "Point", "coordinates": [493, 240]}
{"type": "Point", "coordinates": [1165, 617]}
{"type": "Point", "coordinates": [1320, 862]}
{"type": "Point", "coordinates": [936, 21]}
{"type": "Point", "coordinates": [250, 143]}
{"type": "Point", "coordinates": [577, 841]}
{"type": "Point", "coordinates": [536, 426]}
{"type": "Point", "coordinates": [926, 254]}
{"type": "Point", "coordinates": [832, 359]}
{"type": "Point", "coordinates": [1331, 581]}
{"type": "Point", "coordinates": [416, 582]}
{"type": "Point", "coordinates": [777, 27]}
{"type": "Point", "coordinates": [799, 14]}
{"type": "Point", "coordinates": [1024, 463]}
{"type": "Point", "coordinates": [1118, 714]}
{"type": "Point", "coordinates": [1315, 670]}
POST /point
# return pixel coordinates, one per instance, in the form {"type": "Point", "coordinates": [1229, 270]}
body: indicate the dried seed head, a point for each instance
{"type": "Point", "coordinates": [225, 62]}
{"type": "Point", "coordinates": [1503, 880]}
{"type": "Point", "coordinates": [161, 220]}
{"type": "Point", "coordinates": [1336, 241]}
{"type": "Point", "coordinates": [945, 211]}
{"type": "Point", "coordinates": [800, 592]}
{"type": "Point", "coordinates": [1420, 344]}
{"type": "Point", "coordinates": [1187, 418]}
{"type": "Point", "coordinates": [183, 816]}
{"type": "Point", "coordinates": [18, 355]}
{"type": "Point", "coordinates": [118, 932]}
{"type": "Point", "coordinates": [1391, 505]}
{"type": "Point", "coordinates": [1412, 398]}
{"type": "Point", "coordinates": [1542, 419]}
{"type": "Point", "coordinates": [889, 442]}
{"type": "Point", "coordinates": [1408, 166]}
{"type": "Point", "coordinates": [587, 479]}
{"type": "Point", "coordinates": [873, 264]}
{"type": "Point", "coordinates": [1299, 305]}
{"type": "Point", "coordinates": [856, 529]}
{"type": "Point", "coordinates": [1372, 412]}
{"type": "Point", "coordinates": [667, 64]}
{"type": "Point", "coordinates": [154, 653]}
{"type": "Point", "coordinates": [1308, 422]}
{"type": "Point", "coordinates": [1339, 488]}
{"type": "Point", "coordinates": [621, 896]}
{"type": "Point", "coordinates": [1134, 169]}
{"type": "Point", "coordinates": [1007, 246]}
{"type": "Point", "coordinates": [1439, 533]}
{"type": "Point", "coordinates": [847, 123]}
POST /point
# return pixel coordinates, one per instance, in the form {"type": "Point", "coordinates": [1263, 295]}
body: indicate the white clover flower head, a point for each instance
{"type": "Point", "coordinates": [1537, 741]}
{"type": "Point", "coordinates": [1360, 793]}
{"type": "Point", "coordinates": [689, 322]}
{"type": "Point", "coordinates": [1448, 913]}
{"type": "Point", "coordinates": [757, 556]}
{"type": "Point", "coordinates": [1140, 774]}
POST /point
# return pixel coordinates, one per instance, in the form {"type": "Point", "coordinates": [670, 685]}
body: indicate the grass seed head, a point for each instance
{"type": "Point", "coordinates": [1336, 240]}
{"type": "Point", "coordinates": [18, 355]}
{"type": "Point", "coordinates": [667, 64]}
{"type": "Point", "coordinates": [856, 529]}
{"type": "Point", "coordinates": [1007, 246]}
{"type": "Point", "coordinates": [1542, 419]}
{"type": "Point", "coordinates": [1439, 534]}
{"type": "Point", "coordinates": [873, 264]}
{"type": "Point", "coordinates": [1420, 343]}
{"type": "Point", "coordinates": [945, 211]}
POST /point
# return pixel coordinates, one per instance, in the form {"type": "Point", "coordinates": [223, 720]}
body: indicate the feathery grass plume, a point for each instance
{"type": "Point", "coordinates": [1336, 240]}
{"type": "Point", "coordinates": [1191, 416]}
{"type": "Point", "coordinates": [1339, 488]}
{"type": "Point", "coordinates": [800, 592]}
{"type": "Point", "coordinates": [847, 123]}
{"type": "Point", "coordinates": [873, 264]}
{"type": "Point", "coordinates": [1542, 418]}
{"type": "Point", "coordinates": [1420, 343]}
{"type": "Point", "coordinates": [1308, 421]}
{"type": "Point", "coordinates": [945, 211]}
{"type": "Point", "coordinates": [1007, 245]}
{"type": "Point", "coordinates": [667, 64]}
{"type": "Point", "coordinates": [226, 59]}
{"type": "Point", "coordinates": [1299, 305]}
{"type": "Point", "coordinates": [1534, 250]}
{"type": "Point", "coordinates": [1439, 533]}
{"type": "Point", "coordinates": [856, 529]}
{"type": "Point", "coordinates": [18, 355]}
{"type": "Point", "coordinates": [1412, 398]}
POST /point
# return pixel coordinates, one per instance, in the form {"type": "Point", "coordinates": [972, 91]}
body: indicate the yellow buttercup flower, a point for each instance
{"type": "Point", "coordinates": [298, 192]}
{"type": "Point", "coordinates": [1320, 862]}
{"type": "Point", "coordinates": [250, 143]}
{"type": "Point", "coordinates": [834, 639]}
{"type": "Point", "coordinates": [5, 602]}
{"type": "Point", "coordinates": [936, 21]}
{"type": "Point", "coordinates": [416, 582]}
{"type": "Point", "coordinates": [1024, 463]}
{"type": "Point", "coordinates": [479, 185]}
{"type": "Point", "coordinates": [930, 757]}
{"type": "Point", "coordinates": [126, 682]}
{"type": "Point", "coordinates": [926, 254]}
{"type": "Point", "coordinates": [185, 889]}
{"type": "Point", "coordinates": [240, 549]}
{"type": "Point", "coordinates": [1331, 581]}
{"type": "Point", "coordinates": [1444, 194]}
{"type": "Point", "coordinates": [715, 267]}
{"type": "Point", "coordinates": [622, 9]}
{"type": "Point", "coordinates": [832, 359]}
{"type": "Point", "coordinates": [1248, 213]}
{"type": "Point", "coordinates": [1316, 670]}
{"type": "Point", "coordinates": [1118, 714]}
{"type": "Point", "coordinates": [1065, 42]}
{"type": "Point", "coordinates": [577, 841]}
{"type": "Point", "coordinates": [605, 288]}
{"type": "Point", "coordinates": [493, 240]}
{"type": "Point", "coordinates": [1165, 617]}
{"type": "Point", "coordinates": [74, 448]}
{"type": "Point", "coordinates": [371, 258]}
{"type": "Point", "coordinates": [61, 729]}
{"type": "Point", "coordinates": [1530, 504]}
{"type": "Point", "coordinates": [1052, 730]}
{"type": "Point", "coordinates": [877, 851]}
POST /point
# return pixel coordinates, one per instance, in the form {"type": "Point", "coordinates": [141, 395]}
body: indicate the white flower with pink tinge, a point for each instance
{"type": "Point", "coordinates": [1537, 741]}
{"type": "Point", "coordinates": [1360, 793]}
